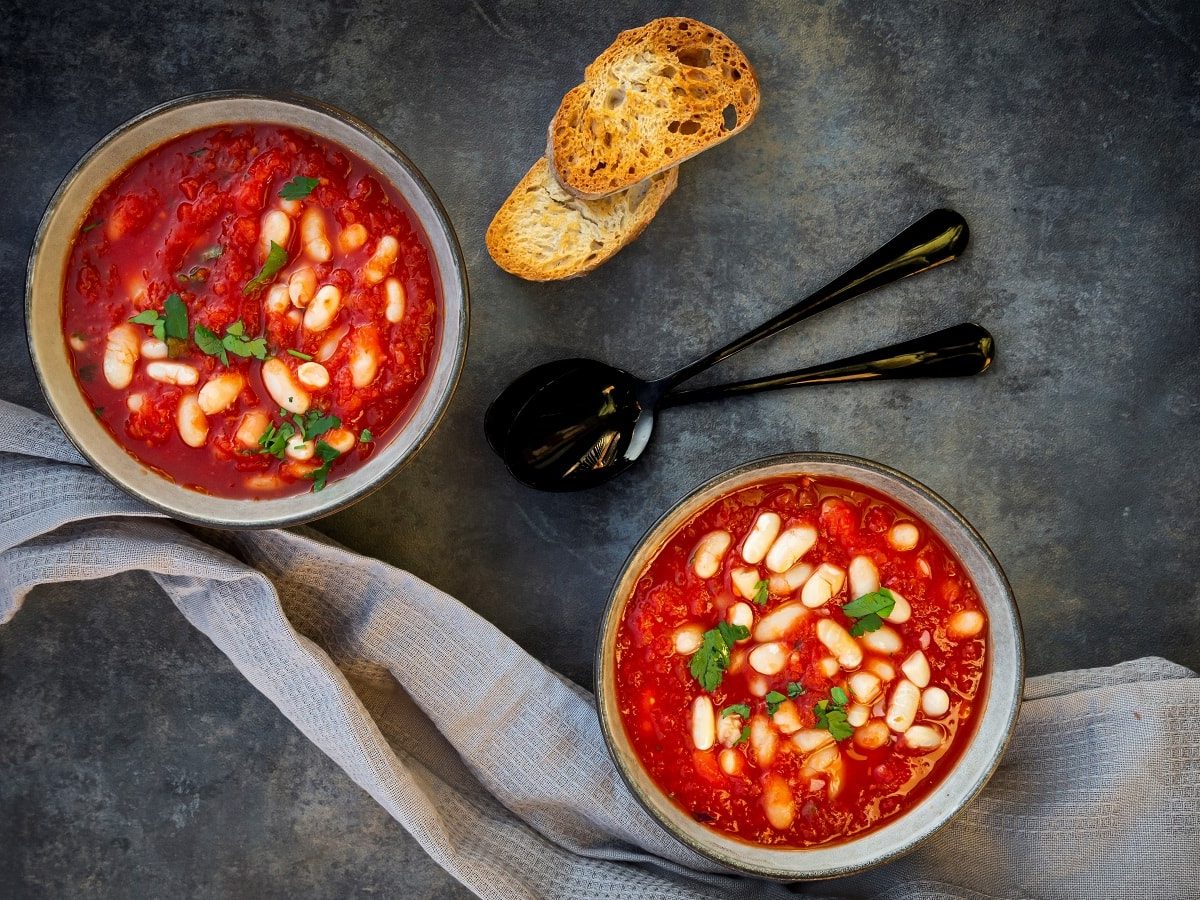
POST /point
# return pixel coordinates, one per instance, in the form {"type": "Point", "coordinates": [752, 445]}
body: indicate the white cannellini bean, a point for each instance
{"type": "Point", "coordinates": [824, 759]}
{"type": "Point", "coordinates": [768, 659]}
{"type": "Point", "coordinates": [923, 568]}
{"type": "Point", "coordinates": [824, 584]}
{"type": "Point", "coordinates": [760, 538]}
{"type": "Point", "coordinates": [135, 402]}
{"type": "Point", "coordinates": [745, 582]}
{"type": "Point", "coordinates": [299, 448]}
{"type": "Point", "coordinates": [312, 375]}
{"type": "Point", "coordinates": [276, 228]}
{"type": "Point", "coordinates": [901, 612]}
{"type": "Point", "coordinates": [688, 638]}
{"type": "Point", "coordinates": [904, 536]}
{"type": "Point", "coordinates": [220, 391]}
{"type": "Point", "coordinates": [704, 723]}
{"type": "Point", "coordinates": [883, 640]}
{"type": "Point", "coordinates": [809, 740]}
{"type": "Point", "coordinates": [790, 546]}
{"type": "Point", "coordinates": [395, 296]}
{"type": "Point", "coordinates": [324, 307]}
{"type": "Point", "coordinates": [379, 266]}
{"type": "Point", "coordinates": [964, 624]}
{"type": "Point", "coordinates": [837, 776]}
{"type": "Point", "coordinates": [329, 343]}
{"type": "Point", "coordinates": [872, 735]}
{"type": "Point", "coordinates": [277, 302]}
{"type": "Point", "coordinates": [935, 702]}
{"type": "Point", "coordinates": [881, 667]}
{"type": "Point", "coordinates": [709, 552]}
{"type": "Point", "coordinates": [916, 668]}
{"type": "Point", "coordinates": [731, 762]}
{"type": "Point", "coordinates": [780, 622]}
{"type": "Point", "coordinates": [864, 576]}
{"type": "Point", "coordinates": [77, 342]}
{"type": "Point", "coordinates": [758, 685]}
{"type": "Point", "coordinates": [858, 714]}
{"type": "Point", "coordinates": [729, 729]}
{"type": "Point", "coordinates": [839, 642]}
{"type": "Point", "coordinates": [169, 372]}
{"type": "Point", "coordinates": [302, 287]}
{"type": "Point", "coordinates": [291, 207]}
{"type": "Point", "coordinates": [764, 740]}
{"type": "Point", "coordinates": [253, 426]}
{"type": "Point", "coordinates": [364, 360]}
{"type": "Point", "coordinates": [340, 439]}
{"type": "Point", "coordinates": [791, 580]}
{"type": "Point", "coordinates": [314, 236]}
{"type": "Point", "coordinates": [778, 803]}
{"type": "Point", "coordinates": [153, 348]}
{"type": "Point", "coordinates": [922, 737]}
{"type": "Point", "coordinates": [352, 238]}
{"type": "Point", "coordinates": [287, 394]}
{"type": "Point", "coordinates": [741, 614]}
{"type": "Point", "coordinates": [261, 482]}
{"type": "Point", "coordinates": [902, 709]}
{"type": "Point", "coordinates": [829, 666]}
{"type": "Point", "coordinates": [191, 421]}
{"type": "Point", "coordinates": [120, 356]}
{"type": "Point", "coordinates": [864, 686]}
{"type": "Point", "coordinates": [786, 717]}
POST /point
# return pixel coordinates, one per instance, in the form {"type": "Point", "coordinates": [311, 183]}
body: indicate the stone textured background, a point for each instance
{"type": "Point", "coordinates": [134, 761]}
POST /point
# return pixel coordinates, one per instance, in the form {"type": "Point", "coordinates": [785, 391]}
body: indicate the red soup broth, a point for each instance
{"type": "Point", "coordinates": [810, 735]}
{"type": "Point", "coordinates": [327, 339]}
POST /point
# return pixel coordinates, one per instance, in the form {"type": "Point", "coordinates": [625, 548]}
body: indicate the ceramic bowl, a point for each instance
{"type": "Point", "coordinates": [51, 251]}
{"type": "Point", "coordinates": [1000, 690]}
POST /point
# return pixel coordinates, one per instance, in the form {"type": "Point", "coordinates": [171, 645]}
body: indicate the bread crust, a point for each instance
{"type": "Point", "coordinates": [659, 95]}
{"type": "Point", "coordinates": [543, 233]}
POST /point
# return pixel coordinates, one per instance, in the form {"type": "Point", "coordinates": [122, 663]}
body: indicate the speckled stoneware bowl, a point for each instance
{"type": "Point", "coordinates": [51, 252]}
{"type": "Point", "coordinates": [1001, 688]}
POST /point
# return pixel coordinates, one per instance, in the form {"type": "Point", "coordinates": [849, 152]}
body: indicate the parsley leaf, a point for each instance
{"type": "Point", "coordinates": [176, 318]}
{"type": "Point", "coordinates": [298, 188]}
{"type": "Point", "coordinates": [276, 260]}
{"type": "Point", "coordinates": [365, 436]}
{"type": "Point", "coordinates": [838, 696]}
{"type": "Point", "coordinates": [299, 355]}
{"type": "Point", "coordinates": [236, 342]}
{"type": "Point", "coordinates": [147, 317]}
{"type": "Point", "coordinates": [738, 709]}
{"type": "Point", "coordinates": [831, 715]}
{"type": "Point", "coordinates": [794, 689]}
{"type": "Point", "coordinates": [86, 228]}
{"type": "Point", "coordinates": [760, 592]}
{"type": "Point", "coordinates": [744, 736]}
{"type": "Point", "coordinates": [328, 455]}
{"type": "Point", "coordinates": [710, 661]}
{"type": "Point", "coordinates": [869, 622]}
{"type": "Point", "coordinates": [199, 151]}
{"type": "Point", "coordinates": [774, 699]}
{"type": "Point", "coordinates": [274, 440]}
{"type": "Point", "coordinates": [316, 422]}
{"type": "Point", "coordinates": [209, 343]}
{"type": "Point", "coordinates": [870, 609]}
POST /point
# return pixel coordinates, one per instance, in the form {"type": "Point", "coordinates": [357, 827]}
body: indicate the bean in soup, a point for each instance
{"type": "Point", "coordinates": [800, 663]}
{"type": "Point", "coordinates": [250, 310]}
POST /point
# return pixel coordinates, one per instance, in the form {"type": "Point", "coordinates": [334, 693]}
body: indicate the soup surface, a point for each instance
{"type": "Point", "coordinates": [250, 310]}
{"type": "Point", "coordinates": [800, 662]}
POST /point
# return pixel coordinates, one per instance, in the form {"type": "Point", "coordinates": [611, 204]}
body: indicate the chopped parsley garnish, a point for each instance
{"type": "Point", "coordinates": [794, 689]}
{"type": "Point", "coordinates": [274, 440]}
{"type": "Point", "coordinates": [712, 659]}
{"type": "Point", "coordinates": [152, 318]}
{"type": "Point", "coordinates": [199, 151]}
{"type": "Point", "coordinates": [98, 410]}
{"type": "Point", "coordinates": [316, 422]}
{"type": "Point", "coordinates": [90, 226]}
{"type": "Point", "coordinates": [774, 699]}
{"type": "Point", "coordinates": [744, 736]}
{"type": "Point", "coordinates": [235, 342]}
{"type": "Point", "coordinates": [831, 714]}
{"type": "Point", "coordinates": [298, 188]}
{"type": "Point", "coordinates": [169, 325]}
{"type": "Point", "coordinates": [209, 343]}
{"type": "Point", "coordinates": [328, 455]}
{"type": "Point", "coordinates": [738, 709]}
{"type": "Point", "coordinates": [276, 259]}
{"type": "Point", "coordinates": [365, 436]}
{"type": "Point", "coordinates": [760, 592]}
{"type": "Point", "coordinates": [869, 610]}
{"type": "Point", "coordinates": [299, 355]}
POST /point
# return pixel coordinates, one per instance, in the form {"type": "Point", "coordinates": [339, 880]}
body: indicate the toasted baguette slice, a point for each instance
{"type": "Point", "coordinates": [542, 233]}
{"type": "Point", "coordinates": [659, 95]}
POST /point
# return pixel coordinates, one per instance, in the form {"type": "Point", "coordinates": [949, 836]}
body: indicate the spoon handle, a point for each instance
{"type": "Point", "coordinates": [965, 349]}
{"type": "Point", "coordinates": [936, 238]}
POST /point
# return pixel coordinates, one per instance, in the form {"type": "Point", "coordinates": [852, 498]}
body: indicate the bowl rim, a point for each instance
{"type": "Point", "coordinates": [457, 275]}
{"type": "Point", "coordinates": [734, 479]}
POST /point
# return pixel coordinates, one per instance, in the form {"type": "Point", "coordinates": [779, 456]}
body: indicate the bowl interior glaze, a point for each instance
{"type": "Point", "coordinates": [50, 256]}
{"type": "Point", "coordinates": [1001, 688]}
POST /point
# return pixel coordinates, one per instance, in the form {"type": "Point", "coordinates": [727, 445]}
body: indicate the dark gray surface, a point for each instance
{"type": "Point", "coordinates": [135, 761]}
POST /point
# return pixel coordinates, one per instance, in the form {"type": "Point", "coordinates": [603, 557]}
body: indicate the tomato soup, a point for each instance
{"type": "Point", "coordinates": [250, 310]}
{"type": "Point", "coordinates": [800, 663]}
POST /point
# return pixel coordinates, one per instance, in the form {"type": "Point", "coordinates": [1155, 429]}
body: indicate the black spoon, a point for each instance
{"type": "Point", "coordinates": [576, 423]}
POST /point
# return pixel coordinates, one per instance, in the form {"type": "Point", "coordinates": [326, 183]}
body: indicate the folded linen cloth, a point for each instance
{"type": "Point", "coordinates": [495, 764]}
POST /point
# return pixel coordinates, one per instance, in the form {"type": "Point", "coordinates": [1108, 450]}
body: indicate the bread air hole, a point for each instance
{"type": "Point", "coordinates": [615, 98]}
{"type": "Point", "coordinates": [730, 116]}
{"type": "Point", "coordinates": [696, 57]}
{"type": "Point", "coordinates": [691, 126]}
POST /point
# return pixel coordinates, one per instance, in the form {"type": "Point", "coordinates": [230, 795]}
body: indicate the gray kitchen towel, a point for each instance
{"type": "Point", "coordinates": [496, 765]}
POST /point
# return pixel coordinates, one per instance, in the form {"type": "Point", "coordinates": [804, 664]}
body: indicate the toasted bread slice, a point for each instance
{"type": "Point", "coordinates": [542, 233]}
{"type": "Point", "coordinates": [659, 95]}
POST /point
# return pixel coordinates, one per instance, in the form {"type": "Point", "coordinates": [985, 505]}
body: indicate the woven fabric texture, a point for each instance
{"type": "Point", "coordinates": [495, 764]}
